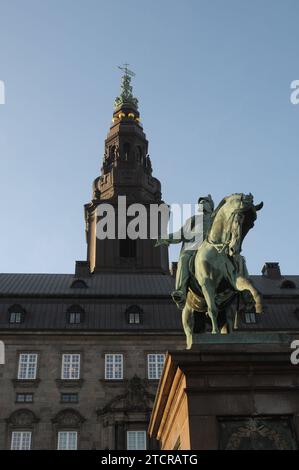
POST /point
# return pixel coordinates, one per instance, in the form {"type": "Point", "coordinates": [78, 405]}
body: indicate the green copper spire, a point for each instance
{"type": "Point", "coordinates": [126, 90]}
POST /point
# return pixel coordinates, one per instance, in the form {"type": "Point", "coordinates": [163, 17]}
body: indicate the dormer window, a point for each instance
{"type": "Point", "coordinates": [134, 315]}
{"type": "Point", "coordinates": [79, 284]}
{"type": "Point", "coordinates": [15, 317]}
{"type": "Point", "coordinates": [75, 315]}
{"type": "Point", "coordinates": [287, 284]}
{"type": "Point", "coordinates": [134, 318]}
{"type": "Point", "coordinates": [250, 317]}
{"type": "Point", "coordinates": [16, 314]}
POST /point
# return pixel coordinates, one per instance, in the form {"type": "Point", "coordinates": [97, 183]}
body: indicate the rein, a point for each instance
{"type": "Point", "coordinates": [220, 247]}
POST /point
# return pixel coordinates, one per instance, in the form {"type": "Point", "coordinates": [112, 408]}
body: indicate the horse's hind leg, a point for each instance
{"type": "Point", "coordinates": [230, 313]}
{"type": "Point", "coordinates": [245, 284]}
{"type": "Point", "coordinates": [188, 324]}
{"type": "Point", "coordinates": [209, 295]}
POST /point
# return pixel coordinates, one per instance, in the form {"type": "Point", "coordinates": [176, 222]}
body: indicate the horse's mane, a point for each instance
{"type": "Point", "coordinates": [249, 218]}
{"type": "Point", "coordinates": [214, 213]}
{"type": "Point", "coordinates": [220, 205]}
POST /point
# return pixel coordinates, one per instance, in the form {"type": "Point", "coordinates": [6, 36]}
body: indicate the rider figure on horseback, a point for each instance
{"type": "Point", "coordinates": [191, 235]}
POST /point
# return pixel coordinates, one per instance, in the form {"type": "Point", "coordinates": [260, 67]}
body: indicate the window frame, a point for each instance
{"type": "Point", "coordinates": [75, 315]}
{"type": "Point", "coordinates": [70, 366]}
{"type": "Point", "coordinates": [75, 310]}
{"type": "Point", "coordinates": [250, 318]}
{"type": "Point", "coordinates": [136, 312]}
{"type": "Point", "coordinates": [74, 394]}
{"type": "Point", "coordinates": [134, 316]}
{"type": "Point", "coordinates": [114, 364]}
{"type": "Point", "coordinates": [27, 368]}
{"type": "Point", "coordinates": [156, 366]}
{"type": "Point", "coordinates": [67, 432]}
{"type": "Point", "coordinates": [136, 432]}
{"type": "Point", "coordinates": [24, 394]}
{"type": "Point", "coordinates": [22, 433]}
{"type": "Point", "coordinates": [16, 321]}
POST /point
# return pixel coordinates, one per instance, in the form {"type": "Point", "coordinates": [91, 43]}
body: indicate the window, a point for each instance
{"type": "Point", "coordinates": [69, 398]}
{"type": "Point", "coordinates": [75, 317]}
{"type": "Point", "coordinates": [250, 317]}
{"type": "Point", "coordinates": [67, 440]}
{"type": "Point", "coordinates": [24, 397]}
{"type": "Point", "coordinates": [114, 366]}
{"type": "Point", "coordinates": [134, 315]}
{"type": "Point", "coordinates": [136, 440]}
{"type": "Point", "coordinates": [20, 440]}
{"type": "Point", "coordinates": [75, 314]}
{"type": "Point", "coordinates": [127, 248]}
{"type": "Point", "coordinates": [16, 314]}
{"type": "Point", "coordinates": [126, 150]}
{"type": "Point", "coordinates": [70, 366]}
{"type": "Point", "coordinates": [15, 317]}
{"type": "Point", "coordinates": [134, 318]}
{"type": "Point", "coordinates": [155, 364]}
{"type": "Point", "coordinates": [79, 284]}
{"type": "Point", "coordinates": [27, 366]}
{"type": "Point", "coordinates": [287, 284]}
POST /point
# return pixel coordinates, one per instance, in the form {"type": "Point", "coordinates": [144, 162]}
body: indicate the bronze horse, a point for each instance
{"type": "Point", "coordinates": [219, 270]}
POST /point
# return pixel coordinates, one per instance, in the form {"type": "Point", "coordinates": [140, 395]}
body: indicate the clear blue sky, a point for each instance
{"type": "Point", "coordinates": [213, 80]}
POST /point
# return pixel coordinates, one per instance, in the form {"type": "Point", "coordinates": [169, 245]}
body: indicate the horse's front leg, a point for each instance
{"type": "Point", "coordinates": [208, 291]}
{"type": "Point", "coordinates": [242, 283]}
{"type": "Point", "coordinates": [188, 324]}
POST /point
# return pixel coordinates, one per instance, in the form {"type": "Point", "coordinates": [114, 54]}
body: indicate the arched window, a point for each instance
{"type": "Point", "coordinates": [21, 425]}
{"type": "Point", "coordinates": [126, 151]}
{"type": "Point", "coordinates": [16, 314]}
{"type": "Point", "coordinates": [134, 315]}
{"type": "Point", "coordinates": [79, 284]}
{"type": "Point", "coordinates": [68, 423]}
{"type": "Point", "coordinates": [287, 284]}
{"type": "Point", "coordinates": [139, 153]}
{"type": "Point", "coordinates": [75, 315]}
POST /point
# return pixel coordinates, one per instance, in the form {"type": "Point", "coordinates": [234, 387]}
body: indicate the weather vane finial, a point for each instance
{"type": "Point", "coordinates": [127, 71]}
{"type": "Point", "coordinates": [126, 90]}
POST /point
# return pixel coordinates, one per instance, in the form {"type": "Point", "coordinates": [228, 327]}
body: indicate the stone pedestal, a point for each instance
{"type": "Point", "coordinates": [229, 394]}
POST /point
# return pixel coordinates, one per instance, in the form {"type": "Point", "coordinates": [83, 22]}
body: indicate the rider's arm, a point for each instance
{"type": "Point", "coordinates": [175, 237]}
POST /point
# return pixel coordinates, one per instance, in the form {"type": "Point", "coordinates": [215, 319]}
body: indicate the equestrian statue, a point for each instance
{"type": "Point", "coordinates": [211, 272]}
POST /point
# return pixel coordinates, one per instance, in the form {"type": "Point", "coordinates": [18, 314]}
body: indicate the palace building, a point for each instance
{"type": "Point", "coordinates": [84, 351]}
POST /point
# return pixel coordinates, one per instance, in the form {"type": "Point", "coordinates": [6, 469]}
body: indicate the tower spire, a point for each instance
{"type": "Point", "coordinates": [126, 171]}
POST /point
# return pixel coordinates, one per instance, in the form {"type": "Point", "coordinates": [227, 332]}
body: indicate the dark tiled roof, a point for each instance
{"type": "Point", "coordinates": [98, 316]}
{"type": "Point", "coordinates": [273, 286]}
{"type": "Point", "coordinates": [111, 316]}
{"type": "Point", "coordinates": [99, 285]}
{"type": "Point", "coordinates": [116, 285]}
{"type": "Point", "coordinates": [282, 316]}
{"type": "Point", "coordinates": [47, 297]}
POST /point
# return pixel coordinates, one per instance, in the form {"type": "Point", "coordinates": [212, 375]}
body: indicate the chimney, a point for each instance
{"type": "Point", "coordinates": [174, 268]}
{"type": "Point", "coordinates": [271, 270]}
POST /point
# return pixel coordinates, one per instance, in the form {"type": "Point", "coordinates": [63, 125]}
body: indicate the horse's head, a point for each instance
{"type": "Point", "coordinates": [232, 219]}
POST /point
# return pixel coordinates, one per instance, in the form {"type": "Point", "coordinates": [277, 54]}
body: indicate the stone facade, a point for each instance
{"type": "Point", "coordinates": [105, 410]}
